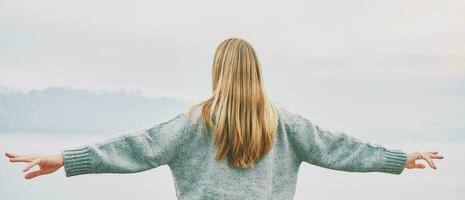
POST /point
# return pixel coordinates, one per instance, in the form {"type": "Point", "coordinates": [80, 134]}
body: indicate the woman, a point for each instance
{"type": "Point", "coordinates": [236, 144]}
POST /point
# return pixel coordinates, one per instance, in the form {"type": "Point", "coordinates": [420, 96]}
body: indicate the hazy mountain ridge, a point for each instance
{"type": "Point", "coordinates": [61, 110]}
{"type": "Point", "coordinates": [67, 110]}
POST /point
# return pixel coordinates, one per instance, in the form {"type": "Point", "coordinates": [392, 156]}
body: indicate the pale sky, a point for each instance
{"type": "Point", "coordinates": [358, 66]}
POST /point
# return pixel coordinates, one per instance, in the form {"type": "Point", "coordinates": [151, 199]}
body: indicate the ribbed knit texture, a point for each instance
{"type": "Point", "coordinates": [180, 144]}
{"type": "Point", "coordinates": [77, 161]}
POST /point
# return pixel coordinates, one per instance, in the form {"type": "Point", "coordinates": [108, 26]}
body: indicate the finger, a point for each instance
{"type": "Point", "coordinates": [429, 160]}
{"type": "Point", "coordinates": [15, 155]}
{"type": "Point", "coordinates": [432, 152]}
{"type": "Point", "coordinates": [419, 166]}
{"type": "Point", "coordinates": [31, 164]}
{"type": "Point", "coordinates": [22, 159]}
{"type": "Point", "coordinates": [33, 174]}
{"type": "Point", "coordinates": [436, 156]}
{"type": "Point", "coordinates": [11, 155]}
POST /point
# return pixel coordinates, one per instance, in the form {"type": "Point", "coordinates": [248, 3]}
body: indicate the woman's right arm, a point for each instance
{"type": "Point", "coordinates": [125, 153]}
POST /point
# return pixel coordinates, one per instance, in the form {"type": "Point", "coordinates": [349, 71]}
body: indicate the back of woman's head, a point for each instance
{"type": "Point", "coordinates": [242, 118]}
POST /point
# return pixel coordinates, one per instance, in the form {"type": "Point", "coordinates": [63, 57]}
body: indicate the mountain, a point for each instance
{"type": "Point", "coordinates": [66, 110]}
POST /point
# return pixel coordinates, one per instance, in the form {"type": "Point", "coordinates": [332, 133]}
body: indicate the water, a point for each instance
{"type": "Point", "coordinates": [448, 182]}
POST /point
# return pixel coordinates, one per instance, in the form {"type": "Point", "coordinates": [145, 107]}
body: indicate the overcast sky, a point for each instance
{"type": "Point", "coordinates": [358, 66]}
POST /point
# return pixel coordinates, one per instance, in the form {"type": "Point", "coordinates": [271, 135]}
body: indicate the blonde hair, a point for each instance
{"type": "Point", "coordinates": [242, 118]}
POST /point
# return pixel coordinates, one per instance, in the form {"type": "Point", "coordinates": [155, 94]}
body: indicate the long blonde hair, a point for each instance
{"type": "Point", "coordinates": [242, 118]}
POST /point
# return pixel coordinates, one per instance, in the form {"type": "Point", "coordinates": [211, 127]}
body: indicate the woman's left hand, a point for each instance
{"type": "Point", "coordinates": [428, 156]}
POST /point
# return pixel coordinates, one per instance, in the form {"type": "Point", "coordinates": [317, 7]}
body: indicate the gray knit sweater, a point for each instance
{"type": "Point", "coordinates": [180, 144]}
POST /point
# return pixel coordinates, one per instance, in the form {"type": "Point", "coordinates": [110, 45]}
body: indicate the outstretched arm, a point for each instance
{"type": "Point", "coordinates": [340, 151]}
{"type": "Point", "coordinates": [125, 153]}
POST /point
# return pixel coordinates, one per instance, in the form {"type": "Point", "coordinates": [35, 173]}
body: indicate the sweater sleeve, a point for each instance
{"type": "Point", "coordinates": [340, 151]}
{"type": "Point", "coordinates": [128, 152]}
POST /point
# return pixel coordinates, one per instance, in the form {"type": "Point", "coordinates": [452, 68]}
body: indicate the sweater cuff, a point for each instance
{"type": "Point", "coordinates": [77, 161]}
{"type": "Point", "coordinates": [394, 162]}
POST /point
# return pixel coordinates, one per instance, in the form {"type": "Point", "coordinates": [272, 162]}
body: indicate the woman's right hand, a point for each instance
{"type": "Point", "coordinates": [47, 164]}
{"type": "Point", "coordinates": [428, 156]}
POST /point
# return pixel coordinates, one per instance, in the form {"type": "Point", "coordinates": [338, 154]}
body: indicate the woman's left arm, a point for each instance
{"type": "Point", "coordinates": [125, 153]}
{"type": "Point", "coordinates": [340, 151]}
